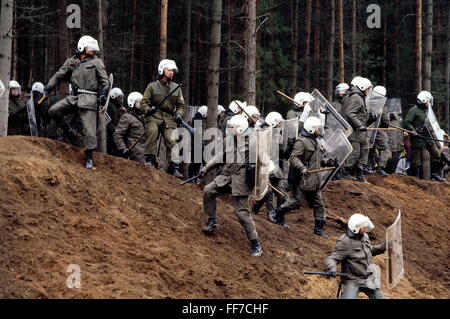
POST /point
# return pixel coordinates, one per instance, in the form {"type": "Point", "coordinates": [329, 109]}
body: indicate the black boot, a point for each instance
{"type": "Point", "coordinates": [436, 176]}
{"type": "Point", "coordinates": [174, 170]}
{"type": "Point", "coordinates": [211, 227]}
{"type": "Point", "coordinates": [271, 216]}
{"type": "Point", "coordinates": [382, 172]}
{"type": "Point", "coordinates": [345, 174]}
{"type": "Point", "coordinates": [413, 171]}
{"type": "Point", "coordinates": [281, 220]}
{"type": "Point", "coordinates": [150, 160]}
{"type": "Point", "coordinates": [360, 176]}
{"type": "Point", "coordinates": [89, 159]}
{"type": "Point", "coordinates": [318, 228]}
{"type": "Point", "coordinates": [256, 248]}
{"type": "Point", "coordinates": [68, 133]}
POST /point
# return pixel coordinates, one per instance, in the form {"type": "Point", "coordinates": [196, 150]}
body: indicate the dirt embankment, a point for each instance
{"type": "Point", "coordinates": [135, 233]}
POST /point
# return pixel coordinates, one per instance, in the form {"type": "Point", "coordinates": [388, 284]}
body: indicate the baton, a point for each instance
{"type": "Point", "coordinates": [189, 180]}
{"type": "Point", "coordinates": [328, 274]}
{"type": "Point", "coordinates": [418, 136]}
{"type": "Point", "coordinates": [321, 170]}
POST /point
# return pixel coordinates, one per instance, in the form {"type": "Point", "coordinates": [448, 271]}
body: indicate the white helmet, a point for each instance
{"type": "Point", "coordinates": [2, 88]}
{"type": "Point", "coordinates": [236, 106]}
{"type": "Point", "coordinates": [380, 90]}
{"type": "Point", "coordinates": [237, 125]}
{"type": "Point", "coordinates": [355, 80]}
{"type": "Point", "coordinates": [115, 93]}
{"type": "Point", "coordinates": [133, 98]}
{"type": "Point", "coordinates": [167, 64]}
{"type": "Point", "coordinates": [38, 87]}
{"type": "Point", "coordinates": [302, 97]}
{"type": "Point", "coordinates": [358, 221]}
{"type": "Point", "coordinates": [424, 97]}
{"type": "Point", "coordinates": [87, 42]}
{"type": "Point", "coordinates": [15, 85]}
{"type": "Point", "coordinates": [203, 110]}
{"type": "Point", "coordinates": [342, 87]}
{"type": "Point", "coordinates": [363, 84]}
{"type": "Point", "coordinates": [220, 109]}
{"type": "Point", "coordinates": [311, 124]}
{"type": "Point", "coordinates": [251, 111]}
{"type": "Point", "coordinates": [273, 119]}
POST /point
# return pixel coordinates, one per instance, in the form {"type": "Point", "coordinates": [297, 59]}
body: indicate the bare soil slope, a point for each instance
{"type": "Point", "coordinates": [135, 233]}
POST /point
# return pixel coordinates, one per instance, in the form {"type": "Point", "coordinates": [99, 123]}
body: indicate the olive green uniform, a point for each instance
{"type": "Point", "coordinates": [89, 75]}
{"type": "Point", "coordinates": [129, 129]}
{"type": "Point", "coordinates": [232, 179]}
{"type": "Point", "coordinates": [354, 253]}
{"type": "Point", "coordinates": [415, 120]}
{"type": "Point", "coordinates": [18, 118]}
{"type": "Point", "coordinates": [162, 120]}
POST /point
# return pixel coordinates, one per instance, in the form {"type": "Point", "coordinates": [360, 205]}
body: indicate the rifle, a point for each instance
{"type": "Point", "coordinates": [327, 274]}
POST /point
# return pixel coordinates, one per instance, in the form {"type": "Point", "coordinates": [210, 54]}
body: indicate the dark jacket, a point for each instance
{"type": "Point", "coordinates": [354, 111]}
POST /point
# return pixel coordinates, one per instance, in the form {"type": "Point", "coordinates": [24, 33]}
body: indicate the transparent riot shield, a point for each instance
{"type": "Point", "coordinates": [375, 106]}
{"type": "Point", "coordinates": [336, 145]}
{"type": "Point", "coordinates": [190, 112]}
{"type": "Point", "coordinates": [263, 152]}
{"type": "Point", "coordinates": [289, 131]}
{"type": "Point", "coordinates": [396, 139]}
{"type": "Point", "coordinates": [394, 250]}
{"type": "Point", "coordinates": [32, 117]}
{"type": "Point", "coordinates": [434, 128]}
{"type": "Point", "coordinates": [334, 120]}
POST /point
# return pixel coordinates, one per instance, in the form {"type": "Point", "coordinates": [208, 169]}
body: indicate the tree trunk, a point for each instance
{"type": "Point", "coordinates": [187, 51]}
{"type": "Point", "coordinates": [63, 42]}
{"type": "Point", "coordinates": [385, 58]}
{"type": "Point", "coordinates": [428, 47]}
{"type": "Point", "coordinates": [330, 58]}
{"type": "Point", "coordinates": [6, 24]}
{"type": "Point", "coordinates": [447, 75]}
{"type": "Point", "coordinates": [214, 63]}
{"type": "Point", "coordinates": [250, 52]}
{"type": "Point", "coordinates": [163, 30]}
{"type": "Point", "coordinates": [133, 44]}
{"type": "Point", "coordinates": [317, 46]}
{"type": "Point", "coordinates": [100, 27]}
{"type": "Point", "coordinates": [341, 72]}
{"type": "Point", "coordinates": [396, 49]}
{"type": "Point", "coordinates": [294, 45]}
{"type": "Point", "coordinates": [353, 38]}
{"type": "Point", "coordinates": [307, 57]}
{"type": "Point", "coordinates": [14, 45]}
{"type": "Point", "coordinates": [229, 53]}
{"type": "Point", "coordinates": [418, 45]}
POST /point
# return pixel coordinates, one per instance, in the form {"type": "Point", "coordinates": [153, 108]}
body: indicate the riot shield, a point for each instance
{"type": "Point", "coordinates": [396, 139]}
{"type": "Point", "coordinates": [434, 128]}
{"type": "Point", "coordinates": [102, 121]}
{"type": "Point", "coordinates": [190, 112]}
{"type": "Point", "coordinates": [263, 151]}
{"type": "Point", "coordinates": [336, 145]}
{"type": "Point", "coordinates": [375, 105]}
{"type": "Point", "coordinates": [290, 130]}
{"type": "Point", "coordinates": [334, 120]}
{"type": "Point", "coordinates": [32, 117]}
{"type": "Point", "coordinates": [394, 261]}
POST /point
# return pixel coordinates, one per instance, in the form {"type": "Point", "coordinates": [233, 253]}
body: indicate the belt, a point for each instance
{"type": "Point", "coordinates": [81, 91]}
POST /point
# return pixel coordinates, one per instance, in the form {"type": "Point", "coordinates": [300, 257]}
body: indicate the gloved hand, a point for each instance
{"type": "Point", "coordinates": [372, 118]}
{"type": "Point", "coordinates": [332, 162]}
{"type": "Point", "coordinates": [362, 128]}
{"type": "Point", "coordinates": [102, 100]}
{"type": "Point", "coordinates": [203, 172]}
{"type": "Point", "coordinates": [48, 89]}
{"type": "Point", "coordinates": [178, 118]}
{"type": "Point", "coordinates": [152, 110]}
{"type": "Point", "coordinates": [304, 172]}
{"type": "Point", "coordinates": [392, 117]}
{"type": "Point", "coordinates": [332, 273]}
{"type": "Point", "coordinates": [127, 153]}
{"type": "Point", "coordinates": [291, 141]}
{"type": "Point", "coordinates": [417, 132]}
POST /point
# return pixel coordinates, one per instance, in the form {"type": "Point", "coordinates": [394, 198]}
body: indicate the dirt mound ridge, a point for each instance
{"type": "Point", "coordinates": [134, 232]}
